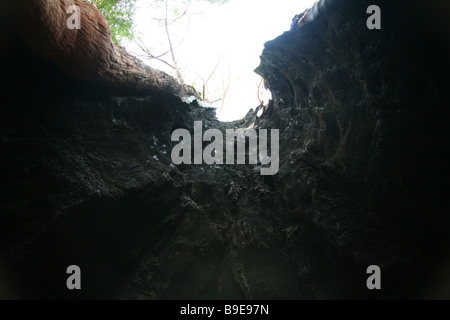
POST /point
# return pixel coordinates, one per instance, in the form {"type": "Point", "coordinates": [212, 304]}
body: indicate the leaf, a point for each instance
{"type": "Point", "coordinates": [120, 14]}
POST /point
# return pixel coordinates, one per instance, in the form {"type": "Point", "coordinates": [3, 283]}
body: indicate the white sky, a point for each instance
{"type": "Point", "coordinates": [233, 33]}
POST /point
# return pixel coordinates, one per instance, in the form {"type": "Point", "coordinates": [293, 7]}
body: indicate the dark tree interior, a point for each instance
{"type": "Point", "coordinates": [363, 179]}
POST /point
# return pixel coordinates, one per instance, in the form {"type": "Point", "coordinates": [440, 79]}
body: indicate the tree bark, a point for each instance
{"type": "Point", "coordinates": [177, 70]}
{"type": "Point", "coordinates": [87, 53]}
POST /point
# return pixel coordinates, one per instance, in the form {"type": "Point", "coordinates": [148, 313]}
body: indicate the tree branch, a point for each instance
{"type": "Point", "coordinates": [148, 53]}
{"type": "Point", "coordinates": [177, 70]}
{"type": "Point", "coordinates": [225, 90]}
{"type": "Point", "coordinates": [179, 17]}
{"type": "Point", "coordinates": [259, 92]}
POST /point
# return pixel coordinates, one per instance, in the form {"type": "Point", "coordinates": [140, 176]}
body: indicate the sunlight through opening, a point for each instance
{"type": "Point", "coordinates": [216, 46]}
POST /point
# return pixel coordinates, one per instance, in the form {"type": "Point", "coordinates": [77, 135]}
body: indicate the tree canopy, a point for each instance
{"type": "Point", "coordinates": [119, 14]}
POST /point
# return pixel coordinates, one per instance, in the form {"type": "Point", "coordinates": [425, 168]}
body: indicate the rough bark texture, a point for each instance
{"type": "Point", "coordinates": [366, 112]}
{"type": "Point", "coordinates": [87, 176]}
{"type": "Point", "coordinates": [87, 53]}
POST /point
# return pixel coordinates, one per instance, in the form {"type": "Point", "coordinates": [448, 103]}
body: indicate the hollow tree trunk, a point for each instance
{"type": "Point", "coordinates": [87, 53]}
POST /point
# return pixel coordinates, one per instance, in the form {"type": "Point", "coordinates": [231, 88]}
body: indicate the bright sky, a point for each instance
{"type": "Point", "coordinates": [233, 33]}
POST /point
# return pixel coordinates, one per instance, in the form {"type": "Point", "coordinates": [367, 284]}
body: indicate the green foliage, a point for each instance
{"type": "Point", "coordinates": [119, 14]}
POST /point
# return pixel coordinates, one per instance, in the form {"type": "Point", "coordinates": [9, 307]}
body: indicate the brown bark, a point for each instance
{"type": "Point", "coordinates": [87, 53]}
